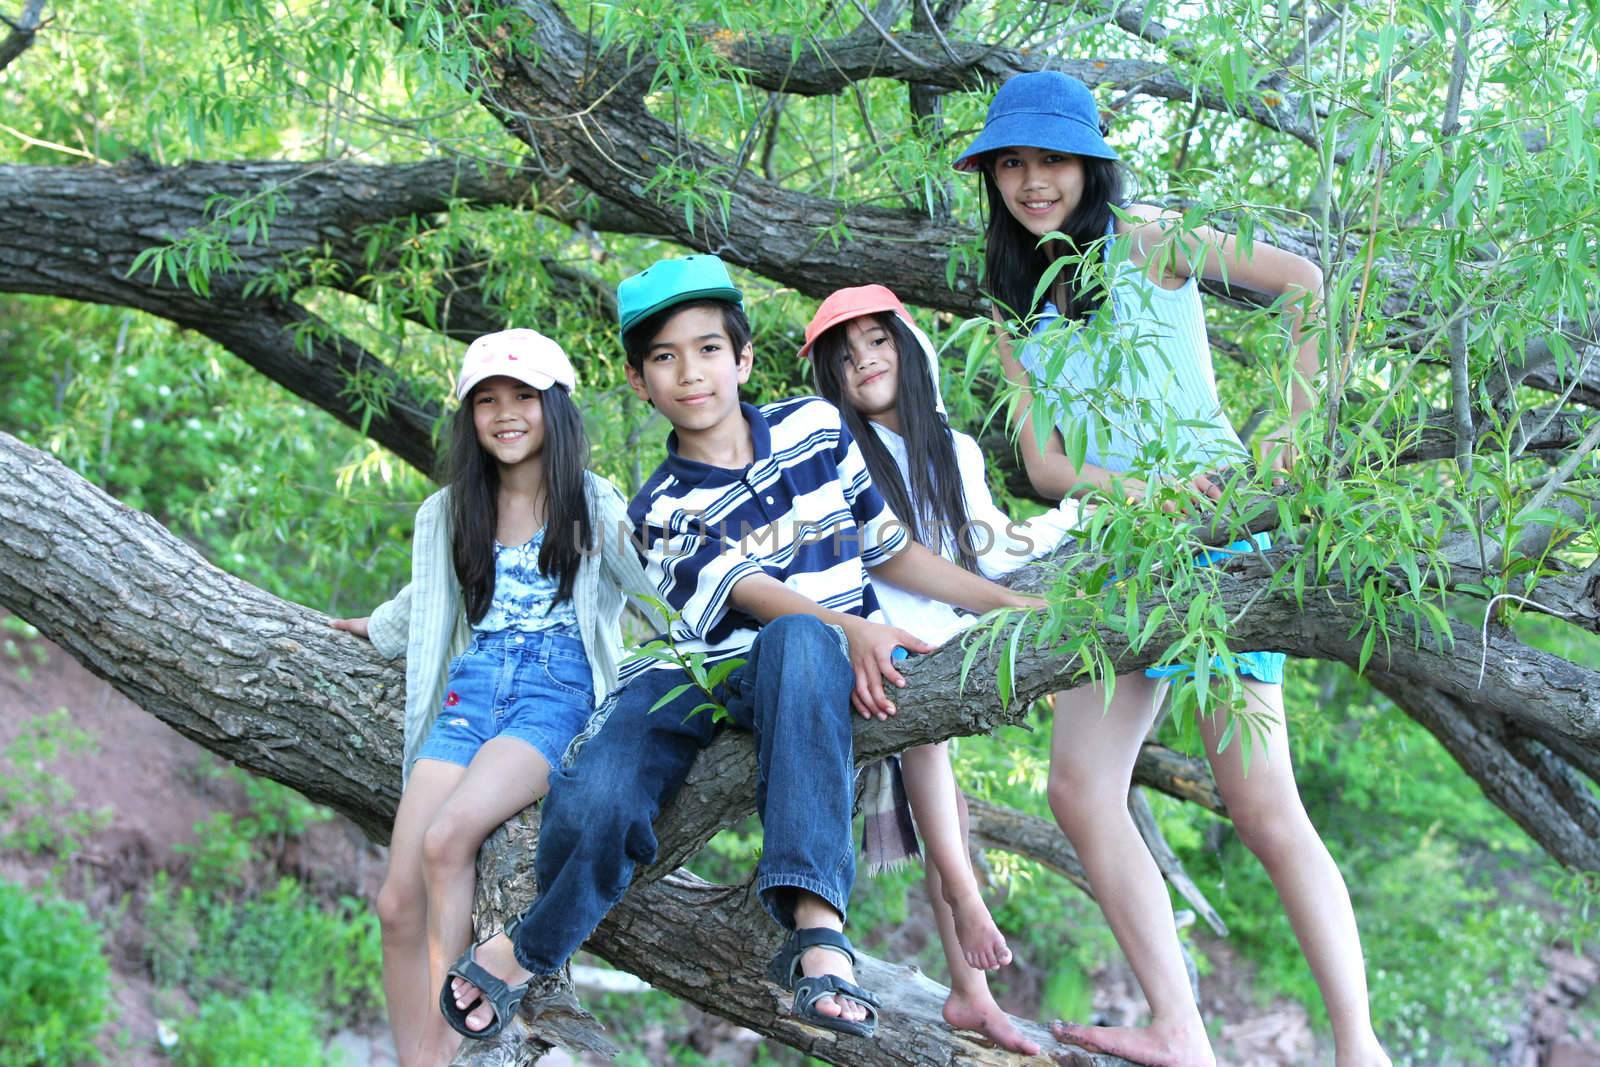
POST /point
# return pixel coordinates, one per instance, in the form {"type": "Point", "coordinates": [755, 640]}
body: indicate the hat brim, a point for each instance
{"type": "Point", "coordinates": [1033, 129]}
{"type": "Point", "coordinates": [714, 292]}
{"type": "Point", "coordinates": [845, 315]}
{"type": "Point", "coordinates": [537, 379]}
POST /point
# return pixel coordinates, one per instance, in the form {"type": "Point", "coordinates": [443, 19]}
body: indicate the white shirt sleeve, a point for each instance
{"type": "Point", "coordinates": [1003, 545]}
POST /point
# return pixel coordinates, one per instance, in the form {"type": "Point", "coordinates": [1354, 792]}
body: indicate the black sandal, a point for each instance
{"type": "Point", "coordinates": [785, 971]}
{"type": "Point", "coordinates": [502, 998]}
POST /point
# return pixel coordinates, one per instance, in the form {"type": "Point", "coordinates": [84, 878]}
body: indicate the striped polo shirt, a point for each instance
{"type": "Point", "coordinates": [804, 512]}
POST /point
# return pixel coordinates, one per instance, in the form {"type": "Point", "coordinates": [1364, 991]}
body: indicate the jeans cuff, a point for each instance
{"type": "Point", "coordinates": [768, 883]}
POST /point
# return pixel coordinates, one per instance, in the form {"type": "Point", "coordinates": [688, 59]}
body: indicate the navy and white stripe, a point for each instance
{"type": "Point", "coordinates": [804, 512]}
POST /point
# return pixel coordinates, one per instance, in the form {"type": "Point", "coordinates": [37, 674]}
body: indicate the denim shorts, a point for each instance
{"type": "Point", "coordinates": [1262, 666]}
{"type": "Point", "coordinates": [534, 686]}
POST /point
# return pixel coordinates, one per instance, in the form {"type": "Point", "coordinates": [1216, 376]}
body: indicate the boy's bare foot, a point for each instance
{"type": "Point", "coordinates": [814, 963]}
{"type": "Point", "coordinates": [982, 943]}
{"type": "Point", "coordinates": [976, 1010]}
{"type": "Point", "coordinates": [495, 956]}
{"type": "Point", "coordinates": [1156, 1045]}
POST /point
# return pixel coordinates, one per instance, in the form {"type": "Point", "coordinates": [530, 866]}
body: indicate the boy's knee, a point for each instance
{"type": "Point", "coordinates": [801, 634]}
{"type": "Point", "coordinates": [599, 816]}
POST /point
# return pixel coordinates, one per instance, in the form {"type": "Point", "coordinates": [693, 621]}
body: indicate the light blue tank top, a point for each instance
{"type": "Point", "coordinates": [1142, 383]}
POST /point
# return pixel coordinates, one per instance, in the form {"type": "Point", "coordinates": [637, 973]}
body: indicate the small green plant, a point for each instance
{"type": "Point", "coordinates": [259, 1030]}
{"type": "Point", "coordinates": [36, 804]}
{"type": "Point", "coordinates": [20, 643]}
{"type": "Point", "coordinates": [703, 677]}
{"type": "Point", "coordinates": [226, 845]}
{"type": "Point", "coordinates": [54, 993]}
{"type": "Point", "coordinates": [280, 941]}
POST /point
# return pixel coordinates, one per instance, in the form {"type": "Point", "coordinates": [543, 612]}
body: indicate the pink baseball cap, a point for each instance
{"type": "Point", "coordinates": [526, 355]}
{"type": "Point", "coordinates": [842, 305]}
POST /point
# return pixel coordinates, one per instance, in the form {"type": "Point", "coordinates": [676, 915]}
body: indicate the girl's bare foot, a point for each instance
{"type": "Point", "coordinates": [976, 1010]}
{"type": "Point", "coordinates": [1156, 1045]}
{"type": "Point", "coordinates": [495, 956]}
{"type": "Point", "coordinates": [982, 943]}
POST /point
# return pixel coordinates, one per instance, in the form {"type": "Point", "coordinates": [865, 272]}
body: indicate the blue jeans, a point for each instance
{"type": "Point", "coordinates": [793, 694]}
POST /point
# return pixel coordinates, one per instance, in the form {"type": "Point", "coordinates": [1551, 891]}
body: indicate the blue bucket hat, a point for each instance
{"type": "Point", "coordinates": [1040, 109]}
{"type": "Point", "coordinates": [674, 281]}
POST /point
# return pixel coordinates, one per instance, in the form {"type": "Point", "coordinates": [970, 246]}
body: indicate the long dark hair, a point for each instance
{"type": "Point", "coordinates": [930, 450]}
{"type": "Point", "coordinates": [474, 481]}
{"type": "Point", "coordinates": [1015, 259]}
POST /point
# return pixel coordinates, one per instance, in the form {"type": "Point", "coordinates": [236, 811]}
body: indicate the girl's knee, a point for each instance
{"type": "Point", "coordinates": [448, 843]}
{"type": "Point", "coordinates": [1273, 832]}
{"type": "Point", "coordinates": [402, 909]}
{"type": "Point", "coordinates": [1084, 801]}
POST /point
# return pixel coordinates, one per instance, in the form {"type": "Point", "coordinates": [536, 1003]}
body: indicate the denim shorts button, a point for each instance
{"type": "Point", "coordinates": [769, 500]}
{"type": "Point", "coordinates": [517, 640]}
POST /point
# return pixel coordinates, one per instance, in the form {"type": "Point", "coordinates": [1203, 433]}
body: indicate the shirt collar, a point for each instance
{"type": "Point", "coordinates": [694, 473]}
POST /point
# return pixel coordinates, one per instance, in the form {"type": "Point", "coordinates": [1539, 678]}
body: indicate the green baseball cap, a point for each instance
{"type": "Point", "coordinates": [674, 281]}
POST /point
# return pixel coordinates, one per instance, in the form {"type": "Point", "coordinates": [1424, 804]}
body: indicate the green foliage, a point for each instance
{"type": "Point", "coordinates": [1491, 224]}
{"type": "Point", "coordinates": [227, 845]}
{"type": "Point", "coordinates": [258, 1030]}
{"type": "Point", "coordinates": [281, 941]}
{"type": "Point", "coordinates": [703, 676]}
{"type": "Point", "coordinates": [37, 813]}
{"type": "Point", "coordinates": [54, 991]}
{"type": "Point", "coordinates": [21, 646]}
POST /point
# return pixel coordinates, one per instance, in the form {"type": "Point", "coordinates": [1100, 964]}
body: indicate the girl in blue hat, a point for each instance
{"type": "Point", "coordinates": [1124, 350]}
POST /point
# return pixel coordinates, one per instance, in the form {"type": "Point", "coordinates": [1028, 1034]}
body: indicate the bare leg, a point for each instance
{"type": "Point", "coordinates": [505, 776]}
{"type": "Point", "coordinates": [810, 911]}
{"type": "Point", "coordinates": [970, 1005]}
{"type": "Point", "coordinates": [403, 908]}
{"type": "Point", "coordinates": [931, 788]}
{"type": "Point", "coordinates": [1267, 814]}
{"type": "Point", "coordinates": [1092, 751]}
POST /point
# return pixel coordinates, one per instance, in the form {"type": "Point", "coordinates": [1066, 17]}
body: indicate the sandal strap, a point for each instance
{"type": "Point", "coordinates": [823, 985]}
{"type": "Point", "coordinates": [785, 968]}
{"type": "Point", "coordinates": [502, 998]}
{"type": "Point", "coordinates": [822, 937]}
{"type": "Point", "coordinates": [471, 971]}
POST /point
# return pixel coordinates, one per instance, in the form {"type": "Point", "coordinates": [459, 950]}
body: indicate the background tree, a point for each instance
{"type": "Point", "coordinates": [336, 193]}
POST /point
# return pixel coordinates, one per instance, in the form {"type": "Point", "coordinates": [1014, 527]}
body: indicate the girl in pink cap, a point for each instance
{"type": "Point", "coordinates": [872, 362]}
{"type": "Point", "coordinates": [517, 583]}
{"type": "Point", "coordinates": [1101, 298]}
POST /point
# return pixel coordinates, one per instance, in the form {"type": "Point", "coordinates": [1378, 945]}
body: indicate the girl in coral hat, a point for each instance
{"type": "Point", "coordinates": [870, 359]}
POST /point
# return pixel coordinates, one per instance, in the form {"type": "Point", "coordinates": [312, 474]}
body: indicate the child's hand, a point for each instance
{"type": "Point", "coordinates": [872, 648]}
{"type": "Point", "coordinates": [1025, 602]}
{"type": "Point", "coordinates": [353, 626]}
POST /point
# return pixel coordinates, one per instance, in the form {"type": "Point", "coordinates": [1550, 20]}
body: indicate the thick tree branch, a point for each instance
{"type": "Point", "coordinates": [121, 212]}
{"type": "Point", "coordinates": [23, 31]}
{"type": "Point", "coordinates": [1524, 780]}
{"type": "Point", "coordinates": [825, 67]}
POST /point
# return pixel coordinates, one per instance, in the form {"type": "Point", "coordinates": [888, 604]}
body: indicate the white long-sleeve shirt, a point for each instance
{"type": "Point", "coordinates": [1001, 544]}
